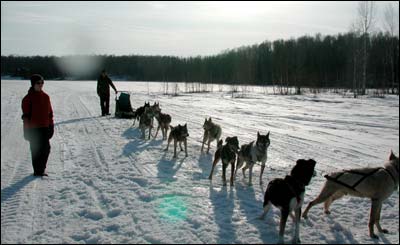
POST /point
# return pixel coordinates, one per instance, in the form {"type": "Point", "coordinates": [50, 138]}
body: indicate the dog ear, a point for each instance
{"type": "Point", "coordinates": [227, 139]}
{"type": "Point", "coordinates": [392, 156]}
{"type": "Point", "coordinates": [258, 134]}
{"type": "Point", "coordinates": [312, 161]}
{"type": "Point", "coordinates": [185, 125]}
{"type": "Point", "coordinates": [209, 119]}
{"type": "Point", "coordinates": [268, 134]}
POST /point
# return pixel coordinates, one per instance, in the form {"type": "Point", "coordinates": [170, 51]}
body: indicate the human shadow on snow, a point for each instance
{"type": "Point", "coordinates": [13, 189]}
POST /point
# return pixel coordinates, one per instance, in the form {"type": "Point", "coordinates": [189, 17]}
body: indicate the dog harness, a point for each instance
{"type": "Point", "coordinates": [364, 176]}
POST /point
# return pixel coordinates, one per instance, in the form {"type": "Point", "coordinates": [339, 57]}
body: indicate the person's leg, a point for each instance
{"type": "Point", "coordinates": [102, 105]}
{"type": "Point", "coordinates": [35, 151]}
{"type": "Point", "coordinates": [107, 109]}
{"type": "Point", "coordinates": [44, 151]}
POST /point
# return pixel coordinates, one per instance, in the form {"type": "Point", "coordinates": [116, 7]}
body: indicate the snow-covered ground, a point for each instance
{"type": "Point", "coordinates": [106, 185]}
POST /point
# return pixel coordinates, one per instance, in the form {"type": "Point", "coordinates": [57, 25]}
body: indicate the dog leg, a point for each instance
{"type": "Point", "coordinates": [266, 209]}
{"type": "Point", "coordinates": [331, 199]}
{"type": "Point", "coordinates": [378, 218]}
{"type": "Point", "coordinates": [208, 148]}
{"type": "Point", "coordinates": [246, 166]}
{"type": "Point", "coordinates": [180, 145]}
{"type": "Point", "coordinates": [143, 134]}
{"type": "Point", "coordinates": [185, 142]}
{"type": "Point", "coordinates": [169, 141]}
{"type": "Point", "coordinates": [238, 164]}
{"type": "Point", "coordinates": [322, 197]}
{"type": "Point", "coordinates": [204, 140]}
{"type": "Point", "coordinates": [216, 159]}
{"type": "Point", "coordinates": [232, 170]}
{"type": "Point", "coordinates": [262, 171]}
{"type": "Point", "coordinates": [224, 172]}
{"type": "Point", "coordinates": [158, 128]}
{"type": "Point", "coordinates": [175, 144]}
{"type": "Point", "coordinates": [149, 132]}
{"type": "Point", "coordinates": [251, 174]}
{"type": "Point", "coordinates": [296, 238]}
{"type": "Point", "coordinates": [372, 218]}
{"type": "Point", "coordinates": [282, 224]}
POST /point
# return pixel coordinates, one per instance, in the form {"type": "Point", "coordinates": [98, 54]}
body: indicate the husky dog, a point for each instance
{"type": "Point", "coordinates": [178, 134]}
{"type": "Point", "coordinates": [288, 195]}
{"type": "Point", "coordinates": [212, 132]}
{"type": "Point", "coordinates": [227, 153]}
{"type": "Point", "coordinates": [253, 152]}
{"type": "Point", "coordinates": [139, 111]}
{"type": "Point", "coordinates": [375, 183]}
{"type": "Point", "coordinates": [163, 120]}
{"type": "Point", "coordinates": [146, 121]}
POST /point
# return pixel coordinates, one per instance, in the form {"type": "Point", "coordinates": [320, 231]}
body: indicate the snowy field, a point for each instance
{"type": "Point", "coordinates": [106, 185]}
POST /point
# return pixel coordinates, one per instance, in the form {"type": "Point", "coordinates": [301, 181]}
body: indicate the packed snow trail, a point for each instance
{"type": "Point", "coordinates": [107, 185]}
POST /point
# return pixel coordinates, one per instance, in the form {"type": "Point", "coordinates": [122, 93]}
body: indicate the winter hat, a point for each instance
{"type": "Point", "coordinates": [35, 78]}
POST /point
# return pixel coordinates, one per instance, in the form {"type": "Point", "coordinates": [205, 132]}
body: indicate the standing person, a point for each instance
{"type": "Point", "coordinates": [38, 124]}
{"type": "Point", "coordinates": [103, 91]}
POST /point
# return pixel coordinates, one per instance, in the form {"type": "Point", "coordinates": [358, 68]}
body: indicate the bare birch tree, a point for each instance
{"type": "Point", "coordinates": [366, 18]}
{"type": "Point", "coordinates": [391, 22]}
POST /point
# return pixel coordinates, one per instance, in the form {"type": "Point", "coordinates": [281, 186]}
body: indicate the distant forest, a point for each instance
{"type": "Point", "coordinates": [306, 62]}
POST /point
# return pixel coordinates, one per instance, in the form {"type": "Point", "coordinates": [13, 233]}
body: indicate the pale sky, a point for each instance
{"type": "Point", "coordinates": [165, 28]}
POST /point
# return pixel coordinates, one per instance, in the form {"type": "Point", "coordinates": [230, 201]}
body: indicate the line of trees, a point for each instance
{"type": "Point", "coordinates": [308, 61]}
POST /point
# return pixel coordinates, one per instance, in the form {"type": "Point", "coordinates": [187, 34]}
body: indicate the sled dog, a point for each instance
{"type": "Point", "coordinates": [227, 153]}
{"type": "Point", "coordinates": [212, 132]}
{"type": "Point", "coordinates": [178, 134]}
{"type": "Point", "coordinates": [253, 152]}
{"type": "Point", "coordinates": [374, 183]}
{"type": "Point", "coordinates": [139, 111]}
{"type": "Point", "coordinates": [288, 195]}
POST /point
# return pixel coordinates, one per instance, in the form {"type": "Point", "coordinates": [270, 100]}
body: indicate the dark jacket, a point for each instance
{"type": "Point", "coordinates": [103, 86]}
{"type": "Point", "coordinates": [37, 112]}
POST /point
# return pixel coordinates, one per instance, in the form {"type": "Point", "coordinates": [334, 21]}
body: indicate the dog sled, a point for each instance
{"type": "Point", "coordinates": [123, 108]}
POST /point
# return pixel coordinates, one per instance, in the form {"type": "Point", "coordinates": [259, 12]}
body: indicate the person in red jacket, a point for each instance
{"type": "Point", "coordinates": [38, 124]}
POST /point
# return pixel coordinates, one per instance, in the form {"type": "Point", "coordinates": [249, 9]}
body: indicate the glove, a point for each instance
{"type": "Point", "coordinates": [26, 134]}
{"type": "Point", "coordinates": [50, 131]}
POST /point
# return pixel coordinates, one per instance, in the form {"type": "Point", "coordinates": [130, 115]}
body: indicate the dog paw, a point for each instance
{"type": "Point", "coordinates": [305, 216]}
{"type": "Point", "coordinates": [384, 231]}
{"type": "Point", "coordinates": [327, 212]}
{"type": "Point", "coordinates": [373, 236]}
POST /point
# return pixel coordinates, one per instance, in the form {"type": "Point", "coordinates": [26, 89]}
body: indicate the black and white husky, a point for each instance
{"type": "Point", "coordinates": [252, 153]}
{"type": "Point", "coordinates": [288, 195]}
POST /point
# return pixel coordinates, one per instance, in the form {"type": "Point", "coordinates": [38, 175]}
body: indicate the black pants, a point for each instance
{"type": "Point", "coordinates": [105, 104]}
{"type": "Point", "coordinates": [40, 148]}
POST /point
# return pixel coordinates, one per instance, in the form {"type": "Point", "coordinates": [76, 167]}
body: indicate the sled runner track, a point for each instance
{"type": "Point", "coordinates": [22, 189]}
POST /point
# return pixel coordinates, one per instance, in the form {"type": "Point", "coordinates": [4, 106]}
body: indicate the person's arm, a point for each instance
{"type": "Point", "coordinates": [51, 121]}
{"type": "Point", "coordinates": [26, 116]}
{"type": "Point", "coordinates": [112, 84]}
{"type": "Point", "coordinates": [98, 87]}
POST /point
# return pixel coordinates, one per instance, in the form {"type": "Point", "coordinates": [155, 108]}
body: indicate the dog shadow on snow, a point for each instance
{"type": "Point", "coordinates": [137, 143]}
{"type": "Point", "coordinates": [167, 168]}
{"type": "Point", "coordinates": [252, 208]}
{"type": "Point", "coordinates": [223, 205]}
